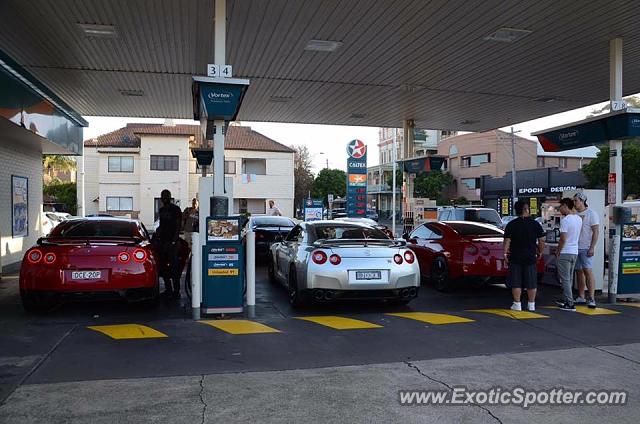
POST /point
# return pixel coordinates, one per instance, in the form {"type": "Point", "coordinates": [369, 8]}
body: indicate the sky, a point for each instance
{"type": "Point", "coordinates": [328, 142]}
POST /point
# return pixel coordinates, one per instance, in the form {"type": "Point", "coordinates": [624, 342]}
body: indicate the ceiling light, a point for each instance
{"type": "Point", "coordinates": [358, 116]}
{"type": "Point", "coordinates": [469, 122]}
{"type": "Point", "coordinates": [545, 99]}
{"type": "Point", "coordinates": [280, 99]}
{"type": "Point", "coordinates": [132, 93]}
{"type": "Point", "coordinates": [97, 30]}
{"type": "Point", "coordinates": [410, 88]}
{"type": "Point", "coordinates": [508, 35]}
{"type": "Point", "coordinates": [323, 45]}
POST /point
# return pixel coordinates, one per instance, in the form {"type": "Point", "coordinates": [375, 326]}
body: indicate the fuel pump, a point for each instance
{"type": "Point", "coordinates": [624, 252]}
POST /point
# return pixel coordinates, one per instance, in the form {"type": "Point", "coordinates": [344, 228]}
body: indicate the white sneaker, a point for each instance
{"type": "Point", "coordinates": [516, 306]}
{"type": "Point", "coordinates": [531, 306]}
{"type": "Point", "coordinates": [580, 300]}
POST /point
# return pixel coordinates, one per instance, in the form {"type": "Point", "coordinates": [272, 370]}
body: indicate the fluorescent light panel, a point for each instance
{"type": "Point", "coordinates": [508, 35]}
{"type": "Point", "coordinates": [98, 30]}
{"type": "Point", "coordinates": [323, 45]}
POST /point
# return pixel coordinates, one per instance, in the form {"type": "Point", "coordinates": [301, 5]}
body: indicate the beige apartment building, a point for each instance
{"type": "Point", "coordinates": [125, 170]}
{"type": "Point", "coordinates": [473, 155]}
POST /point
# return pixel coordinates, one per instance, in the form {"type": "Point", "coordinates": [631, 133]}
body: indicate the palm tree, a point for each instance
{"type": "Point", "coordinates": [56, 163]}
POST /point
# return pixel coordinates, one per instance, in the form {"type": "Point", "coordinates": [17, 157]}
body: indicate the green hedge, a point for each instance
{"type": "Point", "coordinates": [63, 193]}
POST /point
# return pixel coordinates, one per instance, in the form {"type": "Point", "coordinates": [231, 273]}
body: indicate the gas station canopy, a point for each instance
{"type": "Point", "coordinates": [465, 65]}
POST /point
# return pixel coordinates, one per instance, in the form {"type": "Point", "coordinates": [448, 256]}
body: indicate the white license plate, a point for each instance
{"type": "Point", "coordinates": [368, 275]}
{"type": "Point", "coordinates": [86, 275]}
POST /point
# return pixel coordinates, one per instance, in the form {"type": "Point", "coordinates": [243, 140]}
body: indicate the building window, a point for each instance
{"type": "Point", "coordinates": [540, 161]}
{"type": "Point", "coordinates": [562, 162]}
{"type": "Point", "coordinates": [471, 183]}
{"type": "Point", "coordinates": [254, 166]}
{"type": "Point", "coordinates": [119, 203]}
{"type": "Point", "coordinates": [120, 163]}
{"type": "Point", "coordinates": [474, 160]}
{"type": "Point", "coordinates": [229, 166]}
{"type": "Point", "coordinates": [164, 163]}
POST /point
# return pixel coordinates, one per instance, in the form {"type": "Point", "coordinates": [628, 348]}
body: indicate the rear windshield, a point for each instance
{"type": "Point", "coordinates": [95, 229]}
{"type": "Point", "coordinates": [346, 232]}
{"type": "Point", "coordinates": [274, 221]}
{"type": "Point", "coordinates": [465, 229]}
{"type": "Point", "coordinates": [488, 216]}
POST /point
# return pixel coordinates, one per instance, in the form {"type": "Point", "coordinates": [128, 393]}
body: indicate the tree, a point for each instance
{"type": "Point", "coordinates": [597, 171]}
{"type": "Point", "coordinates": [432, 184]}
{"type": "Point", "coordinates": [64, 193]}
{"type": "Point", "coordinates": [632, 101]}
{"type": "Point", "coordinates": [398, 179]}
{"type": "Point", "coordinates": [59, 163]}
{"type": "Point", "coordinates": [302, 175]}
{"type": "Point", "coordinates": [330, 181]}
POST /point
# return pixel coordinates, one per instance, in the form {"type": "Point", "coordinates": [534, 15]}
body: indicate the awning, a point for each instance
{"type": "Point", "coordinates": [424, 164]}
{"type": "Point", "coordinates": [619, 125]}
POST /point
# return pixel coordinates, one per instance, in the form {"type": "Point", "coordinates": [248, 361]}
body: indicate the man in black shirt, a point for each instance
{"type": "Point", "coordinates": [168, 235]}
{"type": "Point", "coordinates": [523, 245]}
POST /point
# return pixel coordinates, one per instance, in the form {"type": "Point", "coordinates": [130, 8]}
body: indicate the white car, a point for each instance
{"type": "Point", "coordinates": [51, 219]}
{"type": "Point", "coordinates": [328, 260]}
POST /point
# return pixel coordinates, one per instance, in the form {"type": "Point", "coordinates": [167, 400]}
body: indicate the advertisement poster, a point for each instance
{"type": "Point", "coordinates": [19, 206]}
{"type": "Point", "coordinates": [313, 209]}
{"type": "Point", "coordinates": [356, 179]}
{"type": "Point", "coordinates": [227, 229]}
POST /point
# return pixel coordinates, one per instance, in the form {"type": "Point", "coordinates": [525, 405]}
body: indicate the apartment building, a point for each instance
{"type": "Point", "coordinates": [473, 155]}
{"type": "Point", "coordinates": [126, 169]}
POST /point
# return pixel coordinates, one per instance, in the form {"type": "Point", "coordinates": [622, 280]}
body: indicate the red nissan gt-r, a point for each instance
{"type": "Point", "coordinates": [449, 251]}
{"type": "Point", "coordinates": [90, 258]}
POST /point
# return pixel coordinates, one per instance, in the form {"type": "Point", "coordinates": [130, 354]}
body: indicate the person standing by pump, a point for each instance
{"type": "Point", "coordinates": [586, 249]}
{"type": "Point", "coordinates": [567, 253]}
{"type": "Point", "coordinates": [523, 245]}
{"type": "Point", "coordinates": [168, 235]}
{"type": "Point", "coordinates": [190, 220]}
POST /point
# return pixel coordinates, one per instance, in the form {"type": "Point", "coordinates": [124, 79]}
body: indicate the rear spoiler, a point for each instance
{"type": "Point", "coordinates": [365, 242]}
{"type": "Point", "coordinates": [118, 241]}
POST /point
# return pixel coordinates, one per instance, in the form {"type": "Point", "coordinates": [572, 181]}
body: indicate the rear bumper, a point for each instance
{"type": "Point", "coordinates": [130, 295]}
{"type": "Point", "coordinates": [328, 295]}
{"type": "Point", "coordinates": [51, 279]}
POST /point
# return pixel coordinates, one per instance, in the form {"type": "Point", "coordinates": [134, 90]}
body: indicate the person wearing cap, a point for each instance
{"type": "Point", "coordinates": [589, 234]}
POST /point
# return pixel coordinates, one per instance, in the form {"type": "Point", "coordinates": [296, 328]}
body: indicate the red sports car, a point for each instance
{"type": "Point", "coordinates": [90, 258]}
{"type": "Point", "coordinates": [449, 251]}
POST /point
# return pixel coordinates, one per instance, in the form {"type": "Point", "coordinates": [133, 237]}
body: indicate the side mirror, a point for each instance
{"type": "Point", "coordinates": [405, 236]}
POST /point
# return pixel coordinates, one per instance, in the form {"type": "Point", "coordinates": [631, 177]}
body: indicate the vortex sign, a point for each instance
{"type": "Point", "coordinates": [356, 149]}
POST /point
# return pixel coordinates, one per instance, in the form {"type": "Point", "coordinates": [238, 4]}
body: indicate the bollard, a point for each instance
{"type": "Point", "coordinates": [196, 275]}
{"type": "Point", "coordinates": [251, 273]}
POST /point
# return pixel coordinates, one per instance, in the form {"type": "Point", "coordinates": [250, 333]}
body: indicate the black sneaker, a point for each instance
{"type": "Point", "coordinates": [567, 307]}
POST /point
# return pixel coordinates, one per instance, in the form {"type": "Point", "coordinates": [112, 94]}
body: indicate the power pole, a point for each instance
{"type": "Point", "coordinates": [514, 198]}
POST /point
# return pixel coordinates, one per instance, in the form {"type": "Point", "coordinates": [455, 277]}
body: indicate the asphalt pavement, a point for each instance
{"type": "Point", "coordinates": [112, 362]}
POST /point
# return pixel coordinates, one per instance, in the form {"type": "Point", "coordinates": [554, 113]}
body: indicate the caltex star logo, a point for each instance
{"type": "Point", "coordinates": [356, 149]}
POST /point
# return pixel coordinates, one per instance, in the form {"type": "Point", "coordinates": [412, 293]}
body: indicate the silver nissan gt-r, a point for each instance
{"type": "Point", "coordinates": [328, 260]}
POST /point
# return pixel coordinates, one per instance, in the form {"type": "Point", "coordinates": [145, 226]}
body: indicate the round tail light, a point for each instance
{"type": "Point", "coordinates": [397, 259]}
{"type": "Point", "coordinates": [139, 255]}
{"type": "Point", "coordinates": [409, 257]}
{"type": "Point", "coordinates": [34, 256]}
{"type": "Point", "coordinates": [319, 257]}
{"type": "Point", "coordinates": [50, 258]}
{"type": "Point", "coordinates": [335, 259]}
{"type": "Point", "coordinates": [123, 257]}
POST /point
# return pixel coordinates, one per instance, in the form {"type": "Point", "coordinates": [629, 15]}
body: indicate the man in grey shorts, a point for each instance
{"type": "Point", "coordinates": [586, 249]}
{"type": "Point", "coordinates": [567, 252]}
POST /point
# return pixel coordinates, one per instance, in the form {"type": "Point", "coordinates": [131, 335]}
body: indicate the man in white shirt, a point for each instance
{"type": "Point", "coordinates": [273, 209]}
{"type": "Point", "coordinates": [586, 248]}
{"type": "Point", "coordinates": [567, 251]}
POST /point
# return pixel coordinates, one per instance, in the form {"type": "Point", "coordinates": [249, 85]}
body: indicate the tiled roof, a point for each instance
{"type": "Point", "coordinates": [237, 137]}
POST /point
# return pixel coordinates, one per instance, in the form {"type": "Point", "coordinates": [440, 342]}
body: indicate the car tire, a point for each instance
{"type": "Point", "coordinates": [271, 271]}
{"type": "Point", "coordinates": [33, 303]}
{"type": "Point", "coordinates": [296, 298]}
{"type": "Point", "coordinates": [440, 274]}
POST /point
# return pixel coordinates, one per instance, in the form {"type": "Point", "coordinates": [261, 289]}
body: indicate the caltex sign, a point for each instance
{"type": "Point", "coordinates": [356, 179]}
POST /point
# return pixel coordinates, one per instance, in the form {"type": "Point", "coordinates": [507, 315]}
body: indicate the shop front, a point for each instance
{"type": "Point", "coordinates": [537, 187]}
